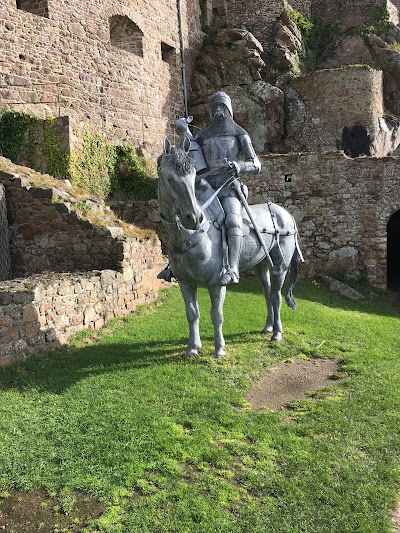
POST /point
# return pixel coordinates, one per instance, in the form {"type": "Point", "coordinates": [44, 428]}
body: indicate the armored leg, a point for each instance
{"type": "Point", "coordinates": [233, 222]}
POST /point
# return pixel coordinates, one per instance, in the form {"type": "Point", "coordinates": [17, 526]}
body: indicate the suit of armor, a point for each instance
{"type": "Point", "coordinates": [227, 148]}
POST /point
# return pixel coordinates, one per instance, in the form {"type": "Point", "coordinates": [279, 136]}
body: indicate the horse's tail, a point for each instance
{"type": "Point", "coordinates": [294, 268]}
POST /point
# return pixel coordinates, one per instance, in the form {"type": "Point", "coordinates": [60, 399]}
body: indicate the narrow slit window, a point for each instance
{"type": "Point", "coordinates": [168, 54]}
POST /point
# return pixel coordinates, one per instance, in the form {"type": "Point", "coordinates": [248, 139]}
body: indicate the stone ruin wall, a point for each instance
{"type": "Point", "coordinates": [342, 207]}
{"type": "Point", "coordinates": [42, 312]}
{"type": "Point", "coordinates": [5, 258]}
{"type": "Point", "coordinates": [46, 234]}
{"type": "Point", "coordinates": [112, 273]}
{"type": "Point", "coordinates": [353, 12]}
{"type": "Point", "coordinates": [64, 64]}
{"type": "Point", "coordinates": [332, 100]}
{"type": "Point", "coordinates": [257, 16]}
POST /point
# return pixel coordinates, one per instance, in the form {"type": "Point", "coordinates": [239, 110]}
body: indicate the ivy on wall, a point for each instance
{"type": "Point", "coordinates": [17, 135]}
{"type": "Point", "coordinates": [92, 165]}
{"type": "Point", "coordinates": [105, 170]}
{"type": "Point", "coordinates": [96, 165]}
{"type": "Point", "coordinates": [19, 142]}
{"type": "Point", "coordinates": [57, 162]}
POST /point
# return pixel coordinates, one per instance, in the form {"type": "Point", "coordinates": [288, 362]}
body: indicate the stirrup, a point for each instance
{"type": "Point", "coordinates": [166, 274]}
{"type": "Point", "coordinates": [228, 277]}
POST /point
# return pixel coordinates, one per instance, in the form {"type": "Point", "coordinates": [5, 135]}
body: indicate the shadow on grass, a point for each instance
{"type": "Point", "coordinates": [57, 370]}
{"type": "Point", "coordinates": [61, 368]}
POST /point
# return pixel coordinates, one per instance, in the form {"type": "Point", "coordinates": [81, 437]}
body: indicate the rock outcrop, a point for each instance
{"type": "Point", "coordinates": [287, 46]}
{"type": "Point", "coordinates": [232, 62]}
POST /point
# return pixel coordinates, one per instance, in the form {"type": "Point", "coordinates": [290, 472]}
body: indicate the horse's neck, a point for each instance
{"type": "Point", "coordinates": [176, 232]}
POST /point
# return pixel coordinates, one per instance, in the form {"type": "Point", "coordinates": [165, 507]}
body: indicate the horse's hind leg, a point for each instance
{"type": "Point", "coordinates": [262, 273]}
{"type": "Point", "coordinates": [189, 294]}
{"type": "Point", "coordinates": [278, 278]}
{"type": "Point", "coordinates": [217, 297]}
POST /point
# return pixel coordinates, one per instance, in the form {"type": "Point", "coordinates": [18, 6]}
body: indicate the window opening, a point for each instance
{"type": "Point", "coordinates": [126, 35]}
{"type": "Point", "coordinates": [168, 54]}
{"type": "Point", "coordinates": [36, 7]}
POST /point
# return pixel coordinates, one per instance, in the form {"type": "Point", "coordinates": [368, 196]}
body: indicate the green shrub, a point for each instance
{"type": "Point", "coordinates": [306, 27]}
{"type": "Point", "coordinates": [134, 175]}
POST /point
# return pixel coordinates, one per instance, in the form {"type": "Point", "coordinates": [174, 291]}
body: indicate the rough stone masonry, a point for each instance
{"type": "Point", "coordinates": [111, 63]}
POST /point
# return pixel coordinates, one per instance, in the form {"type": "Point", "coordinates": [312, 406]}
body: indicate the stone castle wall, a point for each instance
{"type": "Point", "coordinates": [342, 207]}
{"type": "Point", "coordinates": [113, 64]}
{"type": "Point", "coordinates": [332, 100]}
{"type": "Point", "coordinates": [258, 16]}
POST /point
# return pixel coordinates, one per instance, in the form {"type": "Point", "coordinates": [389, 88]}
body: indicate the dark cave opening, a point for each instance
{"type": "Point", "coordinates": [356, 141]}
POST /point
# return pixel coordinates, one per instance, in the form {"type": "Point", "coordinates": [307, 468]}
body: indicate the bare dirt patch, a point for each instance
{"type": "Point", "coordinates": [289, 381]}
{"type": "Point", "coordinates": [32, 512]}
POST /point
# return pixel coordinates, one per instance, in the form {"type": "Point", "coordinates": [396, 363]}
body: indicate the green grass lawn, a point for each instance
{"type": "Point", "coordinates": [171, 445]}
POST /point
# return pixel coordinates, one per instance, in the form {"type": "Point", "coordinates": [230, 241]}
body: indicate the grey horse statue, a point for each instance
{"type": "Point", "coordinates": [196, 246]}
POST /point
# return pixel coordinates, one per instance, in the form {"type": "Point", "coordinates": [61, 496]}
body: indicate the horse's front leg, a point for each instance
{"type": "Point", "coordinates": [217, 296]}
{"type": "Point", "coordinates": [189, 294]}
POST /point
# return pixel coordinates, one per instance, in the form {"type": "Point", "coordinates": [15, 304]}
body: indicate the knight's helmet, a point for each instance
{"type": "Point", "coordinates": [222, 98]}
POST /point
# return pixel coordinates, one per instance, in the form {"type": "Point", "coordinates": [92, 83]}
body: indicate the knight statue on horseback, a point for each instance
{"type": "Point", "coordinates": [228, 152]}
{"type": "Point", "coordinates": [201, 203]}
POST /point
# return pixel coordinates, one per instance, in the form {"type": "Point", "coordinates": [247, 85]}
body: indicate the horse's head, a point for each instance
{"type": "Point", "coordinates": [176, 191]}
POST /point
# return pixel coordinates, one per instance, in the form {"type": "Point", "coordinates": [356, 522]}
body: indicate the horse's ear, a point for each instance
{"type": "Point", "coordinates": [186, 144]}
{"type": "Point", "coordinates": [166, 146]}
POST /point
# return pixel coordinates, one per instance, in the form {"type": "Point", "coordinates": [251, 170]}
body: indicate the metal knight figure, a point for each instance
{"type": "Point", "coordinates": [228, 152]}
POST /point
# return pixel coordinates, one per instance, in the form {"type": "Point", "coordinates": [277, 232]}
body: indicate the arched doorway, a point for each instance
{"type": "Point", "coordinates": [393, 252]}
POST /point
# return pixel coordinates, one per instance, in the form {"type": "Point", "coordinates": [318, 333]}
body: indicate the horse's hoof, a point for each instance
{"type": "Point", "coordinates": [276, 337]}
{"type": "Point", "coordinates": [219, 354]}
{"type": "Point", "coordinates": [266, 330]}
{"type": "Point", "coordinates": [191, 353]}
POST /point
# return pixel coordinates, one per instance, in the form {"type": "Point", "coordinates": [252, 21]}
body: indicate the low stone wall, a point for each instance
{"type": "Point", "coordinates": [49, 232]}
{"type": "Point", "coordinates": [76, 264]}
{"type": "Point", "coordinates": [43, 311]}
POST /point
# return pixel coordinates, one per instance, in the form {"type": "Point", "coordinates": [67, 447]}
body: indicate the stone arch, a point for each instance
{"type": "Point", "coordinates": [393, 251]}
{"type": "Point", "coordinates": [36, 7]}
{"type": "Point", "coordinates": [126, 35]}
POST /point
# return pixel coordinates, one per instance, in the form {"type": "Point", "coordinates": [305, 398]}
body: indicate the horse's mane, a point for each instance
{"type": "Point", "coordinates": [182, 162]}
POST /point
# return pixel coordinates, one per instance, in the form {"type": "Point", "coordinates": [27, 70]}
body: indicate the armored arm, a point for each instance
{"type": "Point", "coordinates": [251, 162]}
